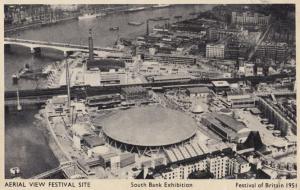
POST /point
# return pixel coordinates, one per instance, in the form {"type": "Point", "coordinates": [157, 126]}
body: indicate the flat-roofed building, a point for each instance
{"type": "Point", "coordinates": [248, 17]}
{"type": "Point", "coordinates": [198, 91]}
{"type": "Point", "coordinates": [272, 50]}
{"type": "Point", "coordinates": [243, 103]}
{"type": "Point", "coordinates": [215, 51]}
{"type": "Point", "coordinates": [113, 77]}
{"type": "Point", "coordinates": [240, 99]}
{"type": "Point", "coordinates": [170, 78]}
{"type": "Point", "coordinates": [241, 165]}
{"type": "Point", "coordinates": [220, 86]}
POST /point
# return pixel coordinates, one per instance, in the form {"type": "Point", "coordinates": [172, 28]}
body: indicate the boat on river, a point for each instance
{"type": "Point", "coordinates": [135, 23]}
{"type": "Point", "coordinates": [115, 28]}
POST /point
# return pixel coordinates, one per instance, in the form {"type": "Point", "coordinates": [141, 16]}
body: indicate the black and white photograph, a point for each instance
{"type": "Point", "coordinates": [150, 91]}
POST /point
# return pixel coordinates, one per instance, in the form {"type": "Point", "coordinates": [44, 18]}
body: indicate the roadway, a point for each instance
{"type": "Point", "coordinates": [251, 54]}
{"type": "Point", "coordinates": [65, 47]}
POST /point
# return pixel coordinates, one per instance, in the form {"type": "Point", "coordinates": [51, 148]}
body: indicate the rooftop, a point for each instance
{"type": "Point", "coordinates": [220, 83]}
{"type": "Point", "coordinates": [235, 125]}
{"type": "Point", "coordinates": [82, 129]}
{"type": "Point", "coordinates": [171, 77]}
{"type": "Point", "coordinates": [198, 90]}
{"type": "Point", "coordinates": [134, 89]}
{"type": "Point", "coordinates": [93, 140]}
{"type": "Point", "coordinates": [105, 64]}
{"type": "Point", "coordinates": [149, 126]}
{"type": "Point", "coordinates": [241, 160]}
{"type": "Point", "coordinates": [228, 124]}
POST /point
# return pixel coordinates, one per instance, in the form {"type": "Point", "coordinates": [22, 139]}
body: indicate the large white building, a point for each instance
{"type": "Point", "coordinates": [215, 50]}
{"type": "Point", "coordinates": [249, 18]}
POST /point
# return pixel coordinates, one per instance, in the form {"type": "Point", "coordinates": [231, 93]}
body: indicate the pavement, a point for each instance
{"type": "Point", "coordinates": [253, 122]}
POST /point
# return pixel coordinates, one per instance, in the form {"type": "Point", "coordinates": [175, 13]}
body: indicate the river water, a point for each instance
{"type": "Point", "coordinates": [25, 143]}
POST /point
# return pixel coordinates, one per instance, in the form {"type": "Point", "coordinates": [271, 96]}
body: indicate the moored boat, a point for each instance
{"type": "Point", "coordinates": [87, 16]}
{"type": "Point", "coordinates": [135, 23]}
{"type": "Point", "coordinates": [135, 9]}
{"type": "Point", "coordinates": [161, 6]}
{"type": "Point", "coordinates": [114, 28]}
{"type": "Point", "coordinates": [15, 171]}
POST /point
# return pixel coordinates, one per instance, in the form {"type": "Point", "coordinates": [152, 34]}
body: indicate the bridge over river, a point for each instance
{"type": "Point", "coordinates": [35, 46]}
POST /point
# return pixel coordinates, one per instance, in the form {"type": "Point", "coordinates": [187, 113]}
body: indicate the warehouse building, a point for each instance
{"type": "Point", "coordinates": [226, 127]}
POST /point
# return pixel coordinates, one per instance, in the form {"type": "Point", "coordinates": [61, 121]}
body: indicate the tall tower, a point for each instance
{"type": "Point", "coordinates": [91, 46]}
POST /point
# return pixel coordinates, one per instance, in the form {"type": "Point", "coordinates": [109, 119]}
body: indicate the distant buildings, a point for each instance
{"type": "Point", "coordinates": [275, 51]}
{"type": "Point", "coordinates": [33, 14]}
{"type": "Point", "coordinates": [215, 51]}
{"type": "Point", "coordinates": [248, 17]}
{"type": "Point", "coordinates": [217, 33]}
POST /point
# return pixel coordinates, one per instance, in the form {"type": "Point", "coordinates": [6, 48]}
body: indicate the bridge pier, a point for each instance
{"type": "Point", "coordinates": [36, 51]}
{"type": "Point", "coordinates": [65, 54]}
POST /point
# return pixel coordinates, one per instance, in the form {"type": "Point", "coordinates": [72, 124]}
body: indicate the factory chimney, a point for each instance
{"type": "Point", "coordinates": [91, 46]}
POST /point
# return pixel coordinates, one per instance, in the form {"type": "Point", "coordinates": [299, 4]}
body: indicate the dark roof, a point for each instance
{"type": "Point", "coordinates": [141, 175]}
{"type": "Point", "coordinates": [134, 89]}
{"type": "Point", "coordinates": [241, 160]}
{"type": "Point", "coordinates": [105, 64]}
{"type": "Point", "coordinates": [198, 90]}
{"type": "Point", "coordinates": [253, 141]}
{"type": "Point", "coordinates": [201, 175]}
{"type": "Point", "coordinates": [230, 122]}
{"type": "Point", "coordinates": [94, 140]}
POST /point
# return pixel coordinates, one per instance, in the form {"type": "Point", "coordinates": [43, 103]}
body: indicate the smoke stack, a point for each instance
{"type": "Point", "coordinates": [91, 46]}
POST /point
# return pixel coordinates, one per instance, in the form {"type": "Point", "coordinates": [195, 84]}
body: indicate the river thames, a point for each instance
{"type": "Point", "coordinates": [26, 144]}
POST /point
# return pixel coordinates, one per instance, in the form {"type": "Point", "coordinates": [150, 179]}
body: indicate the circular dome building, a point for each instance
{"type": "Point", "coordinates": [148, 129]}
